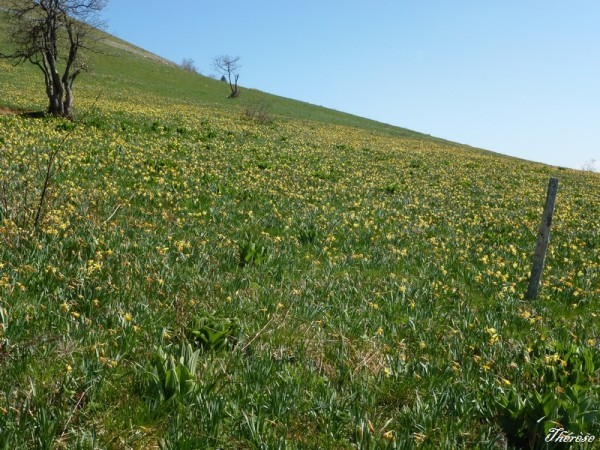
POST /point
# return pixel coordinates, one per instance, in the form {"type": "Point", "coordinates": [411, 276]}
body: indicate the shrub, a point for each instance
{"type": "Point", "coordinates": [258, 113]}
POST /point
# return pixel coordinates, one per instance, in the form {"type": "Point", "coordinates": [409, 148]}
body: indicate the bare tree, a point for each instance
{"type": "Point", "coordinates": [589, 166]}
{"type": "Point", "coordinates": [189, 65]}
{"type": "Point", "coordinates": [50, 34]}
{"type": "Point", "coordinates": [229, 67]}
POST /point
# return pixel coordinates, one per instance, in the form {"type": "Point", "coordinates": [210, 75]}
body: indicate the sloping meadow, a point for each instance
{"type": "Point", "coordinates": [199, 278]}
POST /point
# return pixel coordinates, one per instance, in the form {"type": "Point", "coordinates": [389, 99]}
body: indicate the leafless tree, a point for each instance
{"type": "Point", "coordinates": [189, 65]}
{"type": "Point", "coordinates": [51, 34]}
{"type": "Point", "coordinates": [589, 166]}
{"type": "Point", "coordinates": [229, 67]}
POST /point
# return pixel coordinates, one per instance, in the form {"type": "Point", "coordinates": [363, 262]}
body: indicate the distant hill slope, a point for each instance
{"type": "Point", "coordinates": [120, 64]}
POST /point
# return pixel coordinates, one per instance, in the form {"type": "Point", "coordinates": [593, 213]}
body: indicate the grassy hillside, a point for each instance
{"type": "Point", "coordinates": [121, 64]}
{"type": "Point", "coordinates": [202, 279]}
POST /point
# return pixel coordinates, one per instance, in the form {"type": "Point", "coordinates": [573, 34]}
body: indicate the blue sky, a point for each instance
{"type": "Point", "coordinates": [520, 77]}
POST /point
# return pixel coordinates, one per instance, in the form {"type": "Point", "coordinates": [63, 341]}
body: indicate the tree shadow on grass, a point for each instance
{"type": "Point", "coordinates": [33, 114]}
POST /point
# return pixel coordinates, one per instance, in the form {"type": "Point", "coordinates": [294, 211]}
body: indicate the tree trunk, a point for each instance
{"type": "Point", "coordinates": [60, 101]}
{"type": "Point", "coordinates": [68, 102]}
{"type": "Point", "coordinates": [56, 102]}
{"type": "Point", "coordinates": [234, 86]}
{"type": "Point", "coordinates": [54, 88]}
{"type": "Point", "coordinates": [55, 106]}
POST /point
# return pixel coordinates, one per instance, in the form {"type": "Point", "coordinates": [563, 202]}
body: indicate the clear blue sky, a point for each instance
{"type": "Point", "coordinates": [520, 77]}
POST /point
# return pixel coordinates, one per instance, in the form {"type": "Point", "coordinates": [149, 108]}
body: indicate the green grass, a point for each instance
{"type": "Point", "coordinates": [126, 65]}
{"type": "Point", "coordinates": [204, 280]}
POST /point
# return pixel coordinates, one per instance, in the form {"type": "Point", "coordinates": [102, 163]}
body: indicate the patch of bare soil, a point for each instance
{"type": "Point", "coordinates": [17, 112]}
{"type": "Point", "coordinates": [8, 111]}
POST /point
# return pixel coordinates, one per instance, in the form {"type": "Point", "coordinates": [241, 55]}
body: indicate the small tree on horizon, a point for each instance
{"type": "Point", "coordinates": [189, 65]}
{"type": "Point", "coordinates": [589, 166]}
{"type": "Point", "coordinates": [50, 34]}
{"type": "Point", "coordinates": [229, 67]}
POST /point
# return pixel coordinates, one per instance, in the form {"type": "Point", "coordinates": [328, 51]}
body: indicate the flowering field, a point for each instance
{"type": "Point", "coordinates": [186, 276]}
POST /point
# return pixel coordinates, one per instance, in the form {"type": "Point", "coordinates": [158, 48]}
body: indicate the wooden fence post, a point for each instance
{"type": "Point", "coordinates": [542, 240]}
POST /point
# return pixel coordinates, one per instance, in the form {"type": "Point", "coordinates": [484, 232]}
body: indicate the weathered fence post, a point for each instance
{"type": "Point", "coordinates": [542, 241]}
